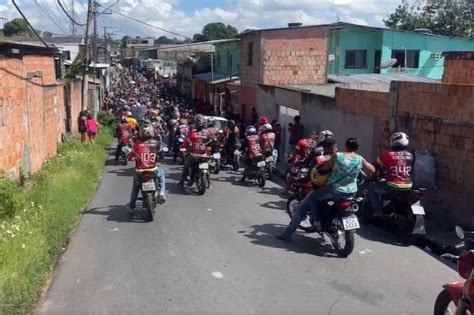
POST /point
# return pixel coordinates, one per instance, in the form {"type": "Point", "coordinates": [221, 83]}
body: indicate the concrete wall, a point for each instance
{"type": "Point", "coordinates": [228, 50]}
{"type": "Point", "coordinates": [32, 114]}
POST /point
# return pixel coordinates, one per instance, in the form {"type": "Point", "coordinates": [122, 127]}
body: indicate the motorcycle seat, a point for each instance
{"type": "Point", "coordinates": [398, 194]}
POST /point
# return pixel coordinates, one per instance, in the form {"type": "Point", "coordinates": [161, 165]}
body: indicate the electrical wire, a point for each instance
{"type": "Point", "coordinates": [31, 26]}
{"type": "Point", "coordinates": [67, 14]}
{"type": "Point", "coordinates": [145, 23]}
{"type": "Point", "coordinates": [47, 14]}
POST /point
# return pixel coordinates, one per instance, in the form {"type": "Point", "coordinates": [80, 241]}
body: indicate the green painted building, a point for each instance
{"type": "Point", "coordinates": [356, 49]}
{"type": "Point", "coordinates": [227, 57]}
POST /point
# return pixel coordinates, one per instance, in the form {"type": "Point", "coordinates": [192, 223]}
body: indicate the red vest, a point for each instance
{"type": "Point", "coordinates": [197, 141]}
{"type": "Point", "coordinates": [253, 144]}
{"type": "Point", "coordinates": [124, 133]}
{"type": "Point", "coordinates": [146, 154]}
{"type": "Point", "coordinates": [267, 141]}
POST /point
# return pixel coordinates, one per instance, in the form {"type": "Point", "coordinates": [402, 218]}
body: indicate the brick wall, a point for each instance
{"type": "Point", "coordinates": [439, 118]}
{"type": "Point", "coordinates": [459, 67]}
{"type": "Point", "coordinates": [32, 114]}
{"type": "Point", "coordinates": [250, 74]}
{"type": "Point", "coordinates": [295, 56]}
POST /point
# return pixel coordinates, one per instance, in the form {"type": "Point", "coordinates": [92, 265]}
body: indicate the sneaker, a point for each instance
{"type": "Point", "coordinates": [162, 197]}
{"type": "Point", "coordinates": [284, 237]}
{"type": "Point", "coordinates": [131, 209]}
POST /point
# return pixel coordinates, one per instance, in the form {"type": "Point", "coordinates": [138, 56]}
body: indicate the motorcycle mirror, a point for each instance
{"type": "Point", "coordinates": [459, 232]}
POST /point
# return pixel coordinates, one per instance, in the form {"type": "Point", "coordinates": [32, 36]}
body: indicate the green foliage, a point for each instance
{"type": "Point", "coordinates": [124, 41]}
{"type": "Point", "coordinates": [74, 70]}
{"type": "Point", "coordinates": [215, 31]}
{"type": "Point", "coordinates": [106, 119]}
{"type": "Point", "coordinates": [10, 199]}
{"type": "Point", "coordinates": [17, 27]}
{"type": "Point", "coordinates": [33, 237]}
{"type": "Point", "coordinates": [443, 17]}
{"type": "Point", "coordinates": [47, 34]}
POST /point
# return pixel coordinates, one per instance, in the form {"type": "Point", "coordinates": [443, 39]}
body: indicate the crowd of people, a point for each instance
{"type": "Point", "coordinates": [151, 115]}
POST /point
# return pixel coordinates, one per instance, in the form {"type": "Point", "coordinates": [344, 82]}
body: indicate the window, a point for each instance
{"type": "Point", "coordinates": [249, 54]}
{"type": "Point", "coordinates": [356, 59]}
{"type": "Point", "coordinates": [412, 58]}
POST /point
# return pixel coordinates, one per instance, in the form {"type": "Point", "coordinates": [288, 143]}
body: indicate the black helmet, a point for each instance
{"type": "Point", "coordinates": [200, 121]}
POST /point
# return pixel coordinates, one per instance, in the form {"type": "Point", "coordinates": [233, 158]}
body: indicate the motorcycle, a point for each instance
{"type": "Point", "coordinates": [339, 222]}
{"type": "Point", "coordinates": [458, 298]}
{"type": "Point", "coordinates": [148, 195]}
{"type": "Point", "coordinates": [256, 171]}
{"type": "Point", "coordinates": [215, 157]}
{"type": "Point", "coordinates": [178, 153]}
{"type": "Point", "coordinates": [402, 210]}
{"type": "Point", "coordinates": [299, 188]}
{"type": "Point", "coordinates": [270, 160]}
{"type": "Point", "coordinates": [232, 158]}
{"type": "Point", "coordinates": [199, 174]}
{"type": "Point", "coordinates": [125, 152]}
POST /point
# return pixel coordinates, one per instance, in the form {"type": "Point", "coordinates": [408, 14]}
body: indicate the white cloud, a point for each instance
{"type": "Point", "coordinates": [242, 14]}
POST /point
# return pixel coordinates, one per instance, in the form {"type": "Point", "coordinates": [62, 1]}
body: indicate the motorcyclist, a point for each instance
{"type": "Point", "coordinates": [396, 165]}
{"type": "Point", "coordinates": [262, 122]}
{"type": "Point", "coordinates": [211, 129]}
{"type": "Point", "coordinates": [251, 148]}
{"type": "Point", "coordinates": [231, 138]}
{"type": "Point", "coordinates": [196, 146]}
{"type": "Point", "coordinates": [267, 139]}
{"type": "Point", "coordinates": [123, 132]}
{"type": "Point", "coordinates": [342, 182]}
{"type": "Point", "coordinates": [132, 121]}
{"type": "Point", "coordinates": [145, 153]}
{"type": "Point", "coordinates": [303, 150]}
{"type": "Point", "coordinates": [182, 131]}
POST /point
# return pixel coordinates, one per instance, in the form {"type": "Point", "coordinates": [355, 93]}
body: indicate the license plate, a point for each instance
{"type": "Point", "coordinates": [417, 208]}
{"type": "Point", "coordinates": [216, 156]}
{"type": "Point", "coordinates": [350, 223]}
{"type": "Point", "coordinates": [269, 159]}
{"type": "Point", "coordinates": [203, 166]}
{"type": "Point", "coordinates": [261, 164]}
{"type": "Point", "coordinates": [148, 186]}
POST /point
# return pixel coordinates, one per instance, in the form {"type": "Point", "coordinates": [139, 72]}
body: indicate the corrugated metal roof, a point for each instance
{"type": "Point", "coordinates": [214, 79]}
{"type": "Point", "coordinates": [376, 78]}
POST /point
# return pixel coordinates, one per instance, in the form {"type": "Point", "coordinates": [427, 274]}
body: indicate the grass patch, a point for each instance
{"type": "Point", "coordinates": [41, 218]}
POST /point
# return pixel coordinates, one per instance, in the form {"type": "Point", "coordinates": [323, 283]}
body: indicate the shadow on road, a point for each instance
{"type": "Point", "coordinates": [264, 235]}
{"type": "Point", "coordinates": [276, 205]}
{"type": "Point", "coordinates": [117, 213]}
{"type": "Point", "coordinates": [125, 172]}
{"type": "Point", "coordinates": [373, 234]}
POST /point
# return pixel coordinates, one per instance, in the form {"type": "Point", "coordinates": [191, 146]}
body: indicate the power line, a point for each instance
{"type": "Point", "coordinates": [47, 14]}
{"type": "Point", "coordinates": [67, 14]}
{"type": "Point", "coordinates": [145, 23]}
{"type": "Point", "coordinates": [32, 28]}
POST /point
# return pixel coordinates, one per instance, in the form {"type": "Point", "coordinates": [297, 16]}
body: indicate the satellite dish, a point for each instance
{"type": "Point", "coordinates": [389, 63]}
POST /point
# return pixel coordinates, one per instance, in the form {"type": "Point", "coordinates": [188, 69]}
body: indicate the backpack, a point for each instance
{"type": "Point", "coordinates": [424, 170]}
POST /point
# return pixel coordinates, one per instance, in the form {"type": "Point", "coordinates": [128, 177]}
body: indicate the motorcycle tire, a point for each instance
{"type": "Point", "coordinates": [201, 184]}
{"type": "Point", "coordinates": [270, 171]}
{"type": "Point", "coordinates": [291, 205]}
{"type": "Point", "coordinates": [364, 212]}
{"type": "Point", "coordinates": [346, 250]}
{"type": "Point", "coordinates": [217, 168]}
{"type": "Point", "coordinates": [442, 303]}
{"type": "Point", "coordinates": [405, 223]}
{"type": "Point", "coordinates": [235, 165]}
{"type": "Point", "coordinates": [261, 180]}
{"type": "Point", "coordinates": [150, 207]}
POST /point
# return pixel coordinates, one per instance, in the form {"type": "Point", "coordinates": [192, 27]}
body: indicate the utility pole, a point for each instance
{"type": "Point", "coordinates": [85, 69]}
{"type": "Point", "coordinates": [94, 40]}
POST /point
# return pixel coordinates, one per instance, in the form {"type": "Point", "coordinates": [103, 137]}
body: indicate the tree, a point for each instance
{"type": "Point", "coordinates": [17, 27]}
{"type": "Point", "coordinates": [47, 34]}
{"type": "Point", "coordinates": [443, 17]}
{"type": "Point", "coordinates": [213, 31]}
{"type": "Point", "coordinates": [199, 38]}
{"type": "Point", "coordinates": [124, 41]}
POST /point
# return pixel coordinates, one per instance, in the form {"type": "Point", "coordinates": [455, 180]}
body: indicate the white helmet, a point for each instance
{"type": "Point", "coordinates": [250, 130]}
{"type": "Point", "coordinates": [399, 139]}
{"type": "Point", "coordinates": [324, 135]}
{"type": "Point", "coordinates": [267, 127]}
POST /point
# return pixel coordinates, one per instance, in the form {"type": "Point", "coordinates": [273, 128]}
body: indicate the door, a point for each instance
{"type": "Point", "coordinates": [286, 116]}
{"type": "Point", "coordinates": [377, 60]}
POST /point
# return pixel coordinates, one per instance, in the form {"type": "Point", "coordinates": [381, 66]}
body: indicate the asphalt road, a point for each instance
{"type": "Point", "coordinates": [216, 253]}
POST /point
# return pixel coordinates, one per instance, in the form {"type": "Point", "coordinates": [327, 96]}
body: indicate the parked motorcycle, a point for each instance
{"type": "Point", "coordinates": [232, 159]}
{"type": "Point", "coordinates": [148, 196]}
{"type": "Point", "coordinates": [339, 222]}
{"type": "Point", "coordinates": [256, 171]}
{"type": "Point", "coordinates": [458, 298]}
{"type": "Point", "coordinates": [401, 209]}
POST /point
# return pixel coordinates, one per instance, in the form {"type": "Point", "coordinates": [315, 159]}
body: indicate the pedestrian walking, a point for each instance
{"type": "Point", "coordinates": [92, 128]}
{"type": "Point", "coordinates": [82, 125]}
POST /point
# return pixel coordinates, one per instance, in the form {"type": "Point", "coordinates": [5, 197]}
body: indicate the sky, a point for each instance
{"type": "Point", "coordinates": [187, 17]}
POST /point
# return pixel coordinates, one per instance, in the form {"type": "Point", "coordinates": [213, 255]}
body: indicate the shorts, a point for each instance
{"type": "Point", "coordinates": [91, 134]}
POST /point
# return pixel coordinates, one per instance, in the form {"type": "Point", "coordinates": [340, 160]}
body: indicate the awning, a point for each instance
{"type": "Point", "coordinates": [215, 79]}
